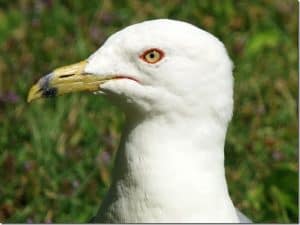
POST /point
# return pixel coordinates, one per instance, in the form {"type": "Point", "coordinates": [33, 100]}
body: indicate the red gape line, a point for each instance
{"type": "Point", "coordinates": [126, 77]}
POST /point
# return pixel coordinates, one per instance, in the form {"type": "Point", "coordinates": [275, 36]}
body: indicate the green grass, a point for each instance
{"type": "Point", "coordinates": [54, 154]}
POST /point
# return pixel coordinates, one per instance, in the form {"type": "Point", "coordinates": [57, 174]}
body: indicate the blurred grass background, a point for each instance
{"type": "Point", "coordinates": [55, 155]}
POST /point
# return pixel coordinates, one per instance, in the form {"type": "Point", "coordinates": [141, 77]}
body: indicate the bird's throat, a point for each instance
{"type": "Point", "coordinates": [165, 166]}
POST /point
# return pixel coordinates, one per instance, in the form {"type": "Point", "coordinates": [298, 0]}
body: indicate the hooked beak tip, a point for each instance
{"type": "Point", "coordinates": [42, 89]}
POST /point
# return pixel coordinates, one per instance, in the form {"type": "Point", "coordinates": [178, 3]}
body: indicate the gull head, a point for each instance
{"type": "Point", "coordinates": [153, 67]}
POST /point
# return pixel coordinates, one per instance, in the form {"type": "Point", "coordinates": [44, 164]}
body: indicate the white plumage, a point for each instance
{"type": "Point", "coordinates": [170, 163]}
{"type": "Point", "coordinates": [174, 82]}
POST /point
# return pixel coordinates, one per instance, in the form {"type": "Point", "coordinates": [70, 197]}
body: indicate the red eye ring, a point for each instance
{"type": "Point", "coordinates": [152, 55]}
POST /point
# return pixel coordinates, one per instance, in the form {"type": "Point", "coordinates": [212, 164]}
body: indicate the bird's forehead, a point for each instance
{"type": "Point", "coordinates": [173, 37]}
{"type": "Point", "coordinates": [135, 38]}
{"type": "Point", "coordinates": [158, 33]}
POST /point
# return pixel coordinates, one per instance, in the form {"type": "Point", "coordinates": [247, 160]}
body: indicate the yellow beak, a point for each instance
{"type": "Point", "coordinates": [64, 80]}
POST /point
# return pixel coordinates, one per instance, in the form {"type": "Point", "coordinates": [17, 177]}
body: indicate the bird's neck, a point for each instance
{"type": "Point", "coordinates": [173, 139]}
{"type": "Point", "coordinates": [174, 164]}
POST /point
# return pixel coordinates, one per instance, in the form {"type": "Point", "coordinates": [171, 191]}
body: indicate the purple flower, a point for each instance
{"type": "Point", "coordinates": [105, 157]}
{"type": "Point", "coordinates": [9, 97]}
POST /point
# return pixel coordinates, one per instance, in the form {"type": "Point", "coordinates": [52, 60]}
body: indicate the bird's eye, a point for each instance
{"type": "Point", "coordinates": [152, 55]}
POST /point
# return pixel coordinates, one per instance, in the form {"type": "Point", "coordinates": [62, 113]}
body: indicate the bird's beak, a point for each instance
{"type": "Point", "coordinates": [64, 80]}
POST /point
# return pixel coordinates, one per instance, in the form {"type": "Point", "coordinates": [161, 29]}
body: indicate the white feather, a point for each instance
{"type": "Point", "coordinates": [170, 163]}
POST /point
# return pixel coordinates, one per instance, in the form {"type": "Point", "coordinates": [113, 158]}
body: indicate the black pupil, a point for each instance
{"type": "Point", "coordinates": [152, 55]}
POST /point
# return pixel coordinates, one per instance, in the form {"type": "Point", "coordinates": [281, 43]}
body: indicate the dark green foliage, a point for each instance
{"type": "Point", "coordinates": [55, 155]}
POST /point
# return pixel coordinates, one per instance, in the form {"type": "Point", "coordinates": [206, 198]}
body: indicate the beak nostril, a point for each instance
{"type": "Point", "coordinates": [66, 75]}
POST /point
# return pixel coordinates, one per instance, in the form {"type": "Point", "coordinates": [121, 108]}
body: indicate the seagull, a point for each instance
{"type": "Point", "coordinates": [174, 83]}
